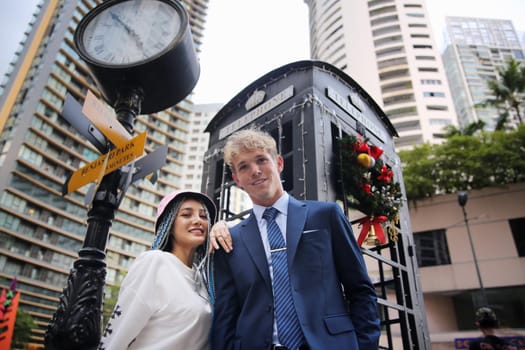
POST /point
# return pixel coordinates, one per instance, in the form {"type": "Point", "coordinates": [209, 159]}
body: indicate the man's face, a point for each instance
{"type": "Point", "coordinates": [258, 173]}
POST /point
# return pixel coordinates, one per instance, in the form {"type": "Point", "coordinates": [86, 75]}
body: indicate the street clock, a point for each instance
{"type": "Point", "coordinates": [144, 45]}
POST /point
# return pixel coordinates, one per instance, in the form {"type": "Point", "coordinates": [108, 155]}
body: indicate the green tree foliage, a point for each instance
{"type": "Point", "coordinates": [110, 300]}
{"type": "Point", "coordinates": [24, 323]}
{"type": "Point", "coordinates": [471, 129]}
{"type": "Point", "coordinates": [508, 92]}
{"type": "Point", "coordinates": [418, 165]}
{"type": "Point", "coordinates": [464, 162]}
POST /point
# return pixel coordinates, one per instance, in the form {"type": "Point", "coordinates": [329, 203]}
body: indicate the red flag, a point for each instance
{"type": "Point", "coordinates": [9, 304]}
{"type": "Point", "coordinates": [2, 307]}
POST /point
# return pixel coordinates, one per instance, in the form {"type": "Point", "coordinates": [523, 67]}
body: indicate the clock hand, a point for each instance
{"type": "Point", "coordinates": [130, 31]}
{"type": "Point", "coordinates": [117, 19]}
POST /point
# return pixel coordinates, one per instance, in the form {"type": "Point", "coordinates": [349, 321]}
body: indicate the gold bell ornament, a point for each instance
{"type": "Point", "coordinates": [372, 239]}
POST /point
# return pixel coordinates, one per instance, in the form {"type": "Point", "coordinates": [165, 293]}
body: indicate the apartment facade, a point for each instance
{"type": "Point", "coordinates": [197, 144]}
{"type": "Point", "coordinates": [41, 231]}
{"type": "Point", "coordinates": [476, 48]}
{"type": "Point", "coordinates": [494, 218]}
{"type": "Point", "coordinates": [388, 47]}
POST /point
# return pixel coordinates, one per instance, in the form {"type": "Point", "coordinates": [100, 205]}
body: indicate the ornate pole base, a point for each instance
{"type": "Point", "coordinates": [77, 323]}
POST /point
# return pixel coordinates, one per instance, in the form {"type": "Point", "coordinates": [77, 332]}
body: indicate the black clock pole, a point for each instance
{"type": "Point", "coordinates": [148, 85]}
{"type": "Point", "coordinates": [77, 323]}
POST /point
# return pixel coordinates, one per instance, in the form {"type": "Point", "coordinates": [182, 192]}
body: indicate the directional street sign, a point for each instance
{"type": "Point", "coordinates": [98, 124]}
{"type": "Point", "coordinates": [72, 113]}
{"type": "Point", "coordinates": [106, 164]}
{"type": "Point", "coordinates": [150, 163]}
{"type": "Point", "coordinates": [105, 120]}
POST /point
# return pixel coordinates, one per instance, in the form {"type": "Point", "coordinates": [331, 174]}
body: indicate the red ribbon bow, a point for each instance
{"type": "Point", "coordinates": [386, 174]}
{"type": "Point", "coordinates": [361, 147]}
{"type": "Point", "coordinates": [375, 152]}
{"type": "Point", "coordinates": [367, 222]}
{"type": "Point", "coordinates": [366, 187]}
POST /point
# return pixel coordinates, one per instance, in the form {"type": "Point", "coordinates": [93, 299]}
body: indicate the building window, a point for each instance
{"type": "Point", "coordinates": [417, 25]}
{"type": "Point", "coordinates": [430, 82]}
{"type": "Point", "coordinates": [401, 112]}
{"type": "Point", "coordinates": [440, 122]}
{"type": "Point", "coordinates": [517, 226]}
{"type": "Point", "coordinates": [427, 69]}
{"type": "Point", "coordinates": [432, 248]}
{"type": "Point", "coordinates": [426, 58]}
{"type": "Point", "coordinates": [508, 302]}
{"type": "Point", "coordinates": [437, 108]}
{"type": "Point", "coordinates": [434, 94]}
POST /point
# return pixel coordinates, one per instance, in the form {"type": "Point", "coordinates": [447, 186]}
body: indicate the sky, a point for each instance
{"type": "Point", "coordinates": [245, 39]}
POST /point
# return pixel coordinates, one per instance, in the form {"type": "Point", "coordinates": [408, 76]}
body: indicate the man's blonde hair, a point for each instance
{"type": "Point", "coordinates": [248, 140]}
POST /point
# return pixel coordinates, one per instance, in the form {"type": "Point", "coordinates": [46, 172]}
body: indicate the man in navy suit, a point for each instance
{"type": "Point", "coordinates": [333, 297]}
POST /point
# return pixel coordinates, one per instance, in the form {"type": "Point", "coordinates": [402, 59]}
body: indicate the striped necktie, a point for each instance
{"type": "Point", "coordinates": [288, 328]}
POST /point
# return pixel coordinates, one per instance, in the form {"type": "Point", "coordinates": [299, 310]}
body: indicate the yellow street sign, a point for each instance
{"type": "Point", "coordinates": [105, 120]}
{"type": "Point", "coordinates": [106, 163]}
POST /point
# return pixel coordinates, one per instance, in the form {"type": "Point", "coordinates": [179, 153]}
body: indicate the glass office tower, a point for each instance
{"type": "Point", "coordinates": [476, 49]}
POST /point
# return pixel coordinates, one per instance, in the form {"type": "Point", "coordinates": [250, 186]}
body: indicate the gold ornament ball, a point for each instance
{"type": "Point", "coordinates": [364, 160]}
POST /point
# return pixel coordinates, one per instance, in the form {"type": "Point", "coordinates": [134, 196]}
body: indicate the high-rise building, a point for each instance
{"type": "Point", "coordinates": [42, 231]}
{"type": "Point", "coordinates": [198, 141]}
{"type": "Point", "coordinates": [476, 48]}
{"type": "Point", "coordinates": [197, 144]}
{"type": "Point", "coordinates": [388, 47]}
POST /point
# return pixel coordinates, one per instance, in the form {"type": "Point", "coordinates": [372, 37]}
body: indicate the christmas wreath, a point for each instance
{"type": "Point", "coordinates": [369, 187]}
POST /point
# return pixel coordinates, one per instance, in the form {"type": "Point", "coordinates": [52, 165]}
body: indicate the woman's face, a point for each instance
{"type": "Point", "coordinates": [191, 225]}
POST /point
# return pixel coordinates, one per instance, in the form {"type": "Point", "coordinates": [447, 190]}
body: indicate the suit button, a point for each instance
{"type": "Point", "coordinates": [269, 308]}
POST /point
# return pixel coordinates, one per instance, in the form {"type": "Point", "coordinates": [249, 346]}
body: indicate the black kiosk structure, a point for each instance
{"type": "Point", "coordinates": [307, 106]}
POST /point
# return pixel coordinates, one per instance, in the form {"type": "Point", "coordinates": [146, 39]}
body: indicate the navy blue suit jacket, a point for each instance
{"type": "Point", "coordinates": [333, 295]}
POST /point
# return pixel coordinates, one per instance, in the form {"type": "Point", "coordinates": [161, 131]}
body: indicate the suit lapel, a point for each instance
{"type": "Point", "coordinates": [251, 238]}
{"type": "Point", "coordinates": [296, 220]}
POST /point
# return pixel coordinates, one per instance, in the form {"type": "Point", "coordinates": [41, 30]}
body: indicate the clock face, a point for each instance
{"type": "Point", "coordinates": [131, 31]}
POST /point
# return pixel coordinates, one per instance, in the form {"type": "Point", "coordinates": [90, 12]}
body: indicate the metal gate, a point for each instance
{"type": "Point", "coordinates": [308, 107]}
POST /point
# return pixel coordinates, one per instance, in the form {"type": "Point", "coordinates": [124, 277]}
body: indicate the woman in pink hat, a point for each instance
{"type": "Point", "coordinates": [165, 299]}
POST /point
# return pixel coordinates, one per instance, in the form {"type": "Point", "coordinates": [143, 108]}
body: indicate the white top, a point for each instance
{"type": "Point", "coordinates": [158, 307]}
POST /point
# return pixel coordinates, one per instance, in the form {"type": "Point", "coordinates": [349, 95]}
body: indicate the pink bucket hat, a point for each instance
{"type": "Point", "coordinates": [174, 196]}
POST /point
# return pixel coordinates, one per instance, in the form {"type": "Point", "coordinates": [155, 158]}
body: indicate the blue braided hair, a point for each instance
{"type": "Point", "coordinates": [165, 225]}
{"type": "Point", "coordinates": [203, 264]}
